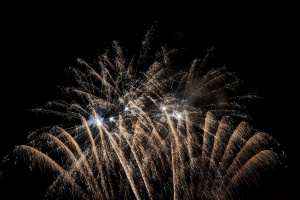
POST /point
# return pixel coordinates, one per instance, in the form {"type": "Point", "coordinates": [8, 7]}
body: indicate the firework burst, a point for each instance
{"type": "Point", "coordinates": [145, 130]}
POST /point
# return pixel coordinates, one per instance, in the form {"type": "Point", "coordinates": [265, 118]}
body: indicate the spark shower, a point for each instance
{"type": "Point", "coordinates": [143, 128]}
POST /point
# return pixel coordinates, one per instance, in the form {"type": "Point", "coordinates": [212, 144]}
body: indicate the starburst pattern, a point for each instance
{"type": "Point", "coordinates": [145, 130]}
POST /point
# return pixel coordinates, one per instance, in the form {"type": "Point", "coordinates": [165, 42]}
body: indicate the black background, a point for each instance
{"type": "Point", "coordinates": [258, 42]}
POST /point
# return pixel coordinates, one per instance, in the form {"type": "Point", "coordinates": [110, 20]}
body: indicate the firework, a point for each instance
{"type": "Point", "coordinates": [142, 129]}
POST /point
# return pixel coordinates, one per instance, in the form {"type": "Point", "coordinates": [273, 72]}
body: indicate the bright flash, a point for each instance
{"type": "Point", "coordinates": [99, 121]}
{"type": "Point", "coordinates": [179, 115]}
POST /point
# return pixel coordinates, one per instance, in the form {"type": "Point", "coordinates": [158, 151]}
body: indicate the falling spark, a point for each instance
{"type": "Point", "coordinates": [151, 133]}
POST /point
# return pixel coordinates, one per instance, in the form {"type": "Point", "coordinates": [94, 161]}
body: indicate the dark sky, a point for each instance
{"type": "Point", "coordinates": [258, 42]}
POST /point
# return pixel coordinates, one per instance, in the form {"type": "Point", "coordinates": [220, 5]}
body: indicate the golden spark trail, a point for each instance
{"type": "Point", "coordinates": [145, 129]}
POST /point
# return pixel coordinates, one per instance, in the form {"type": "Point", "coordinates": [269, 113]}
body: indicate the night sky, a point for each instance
{"type": "Point", "coordinates": [258, 42]}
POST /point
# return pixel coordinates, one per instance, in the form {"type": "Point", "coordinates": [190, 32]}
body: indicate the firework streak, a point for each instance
{"type": "Point", "coordinates": [145, 131]}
